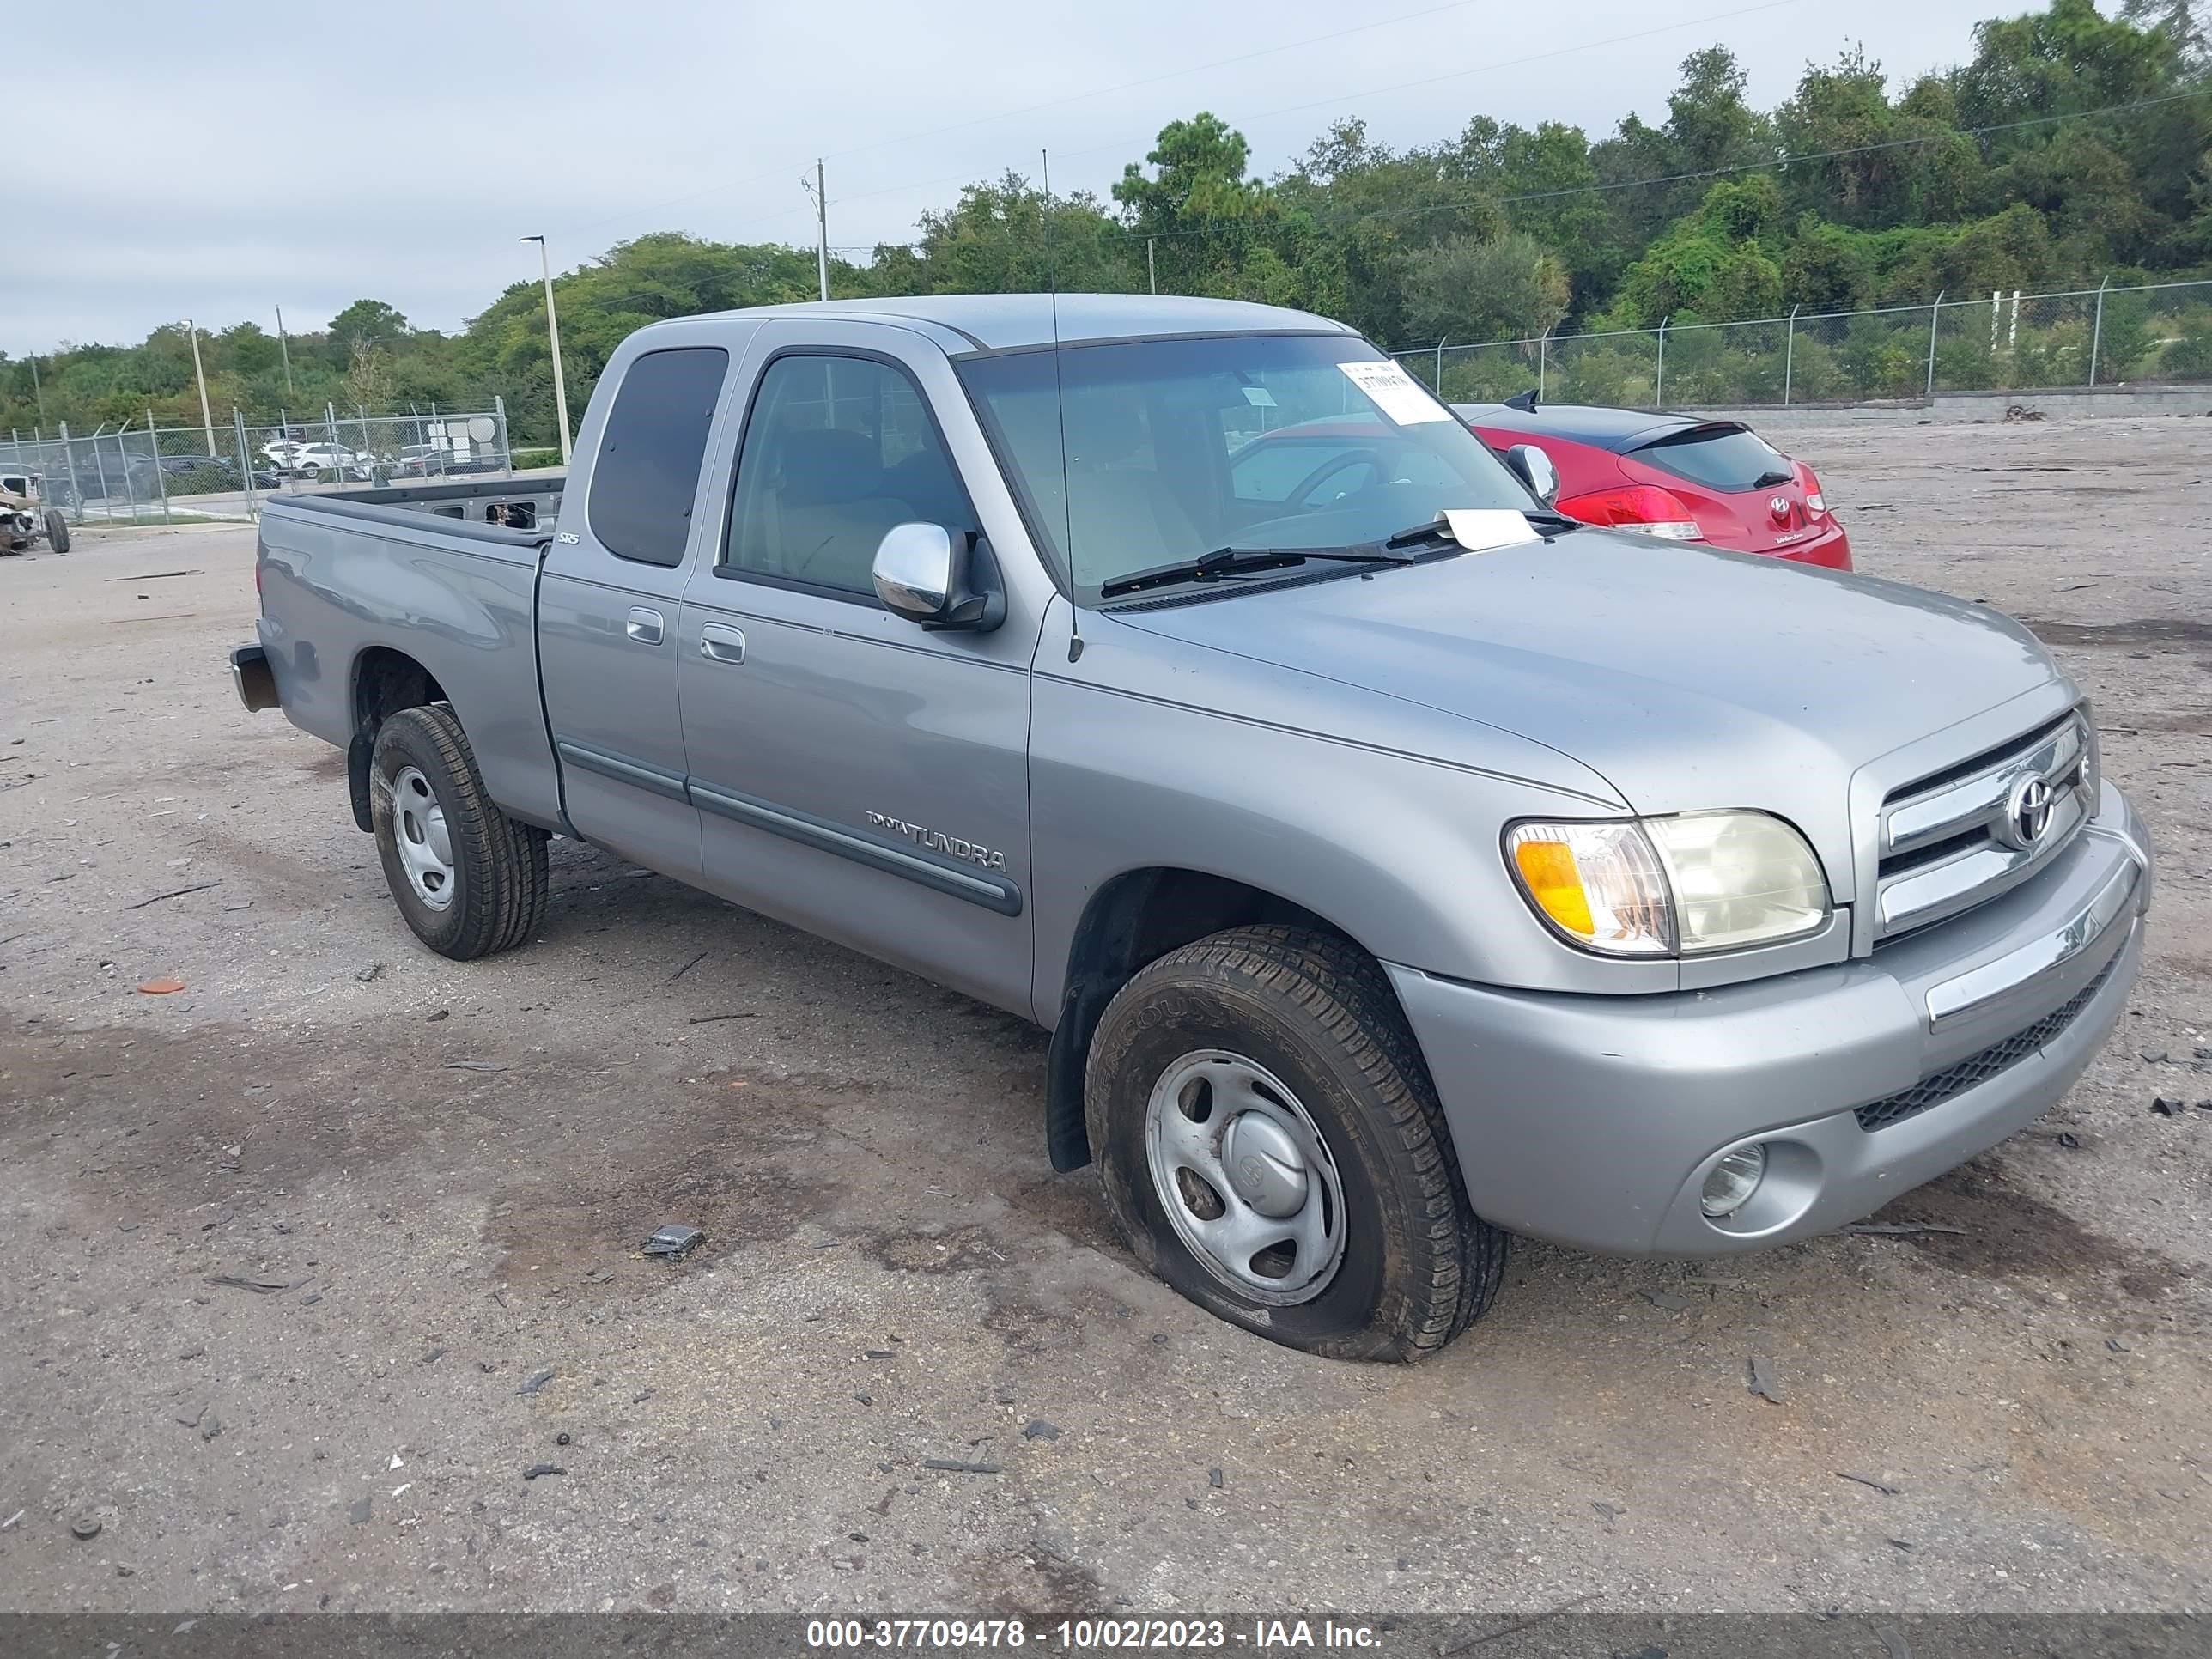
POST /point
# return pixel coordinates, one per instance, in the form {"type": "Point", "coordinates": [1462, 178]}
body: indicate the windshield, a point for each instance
{"type": "Point", "coordinates": [1174, 448]}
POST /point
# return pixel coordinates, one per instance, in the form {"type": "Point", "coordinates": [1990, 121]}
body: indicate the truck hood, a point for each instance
{"type": "Point", "coordinates": [1689, 678]}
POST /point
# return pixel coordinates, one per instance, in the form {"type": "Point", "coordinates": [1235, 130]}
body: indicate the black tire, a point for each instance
{"type": "Point", "coordinates": [57, 536]}
{"type": "Point", "coordinates": [1418, 1265]}
{"type": "Point", "coordinates": [499, 874]}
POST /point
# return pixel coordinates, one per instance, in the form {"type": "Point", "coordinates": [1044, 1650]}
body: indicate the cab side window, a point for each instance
{"type": "Point", "coordinates": [647, 474]}
{"type": "Point", "coordinates": [838, 451]}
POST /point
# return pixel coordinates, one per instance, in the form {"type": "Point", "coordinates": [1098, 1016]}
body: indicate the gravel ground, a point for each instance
{"type": "Point", "coordinates": [434, 1179]}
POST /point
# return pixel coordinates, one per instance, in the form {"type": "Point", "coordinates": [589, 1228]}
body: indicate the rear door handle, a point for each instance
{"type": "Point", "coordinates": [643, 626]}
{"type": "Point", "coordinates": [722, 643]}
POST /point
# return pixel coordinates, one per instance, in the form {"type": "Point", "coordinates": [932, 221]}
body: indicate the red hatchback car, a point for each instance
{"type": "Point", "coordinates": [1674, 476]}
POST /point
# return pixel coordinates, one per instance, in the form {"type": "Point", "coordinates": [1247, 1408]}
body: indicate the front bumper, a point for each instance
{"type": "Point", "coordinates": [1593, 1121]}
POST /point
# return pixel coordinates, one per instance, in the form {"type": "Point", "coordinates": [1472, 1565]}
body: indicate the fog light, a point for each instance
{"type": "Point", "coordinates": [1733, 1181]}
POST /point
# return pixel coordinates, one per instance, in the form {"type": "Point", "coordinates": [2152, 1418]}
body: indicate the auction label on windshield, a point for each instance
{"type": "Point", "coordinates": [1395, 393]}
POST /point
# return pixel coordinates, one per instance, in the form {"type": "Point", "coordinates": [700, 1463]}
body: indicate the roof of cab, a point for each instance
{"type": "Point", "coordinates": [999, 322]}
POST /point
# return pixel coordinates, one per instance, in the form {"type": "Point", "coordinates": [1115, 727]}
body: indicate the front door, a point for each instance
{"type": "Point", "coordinates": [855, 775]}
{"type": "Point", "coordinates": [607, 607]}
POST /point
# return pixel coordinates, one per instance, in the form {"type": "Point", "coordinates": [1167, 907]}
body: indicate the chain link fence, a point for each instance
{"type": "Point", "coordinates": [2006, 342]}
{"type": "Point", "coordinates": [142, 474]}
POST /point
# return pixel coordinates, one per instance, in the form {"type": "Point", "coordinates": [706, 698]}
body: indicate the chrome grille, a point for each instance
{"type": "Point", "coordinates": [1961, 837]}
{"type": "Point", "coordinates": [1981, 1067]}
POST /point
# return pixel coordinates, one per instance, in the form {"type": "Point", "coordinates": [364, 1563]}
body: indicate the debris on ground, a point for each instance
{"type": "Point", "coordinates": [175, 892]}
{"type": "Point", "coordinates": [2113, 1344]}
{"type": "Point", "coordinates": [2071, 1141]}
{"type": "Point", "coordinates": [537, 1469]}
{"type": "Point", "coordinates": [360, 1513]}
{"type": "Point", "coordinates": [1037, 1429]}
{"type": "Point", "coordinates": [259, 1283]}
{"type": "Point", "coordinates": [1882, 1487]}
{"type": "Point", "coordinates": [1901, 1229]}
{"type": "Point", "coordinates": [434, 1355]}
{"type": "Point", "coordinates": [474, 1066]}
{"type": "Point", "coordinates": [1762, 1380]}
{"type": "Point", "coordinates": [716, 1019]}
{"type": "Point", "coordinates": [13, 1519]}
{"type": "Point", "coordinates": [673, 1241]}
{"type": "Point", "coordinates": [562, 1438]}
{"type": "Point", "coordinates": [538, 1380]}
{"type": "Point", "coordinates": [1606, 1512]}
{"type": "Point", "coordinates": [161, 988]}
{"type": "Point", "coordinates": [366, 974]}
{"type": "Point", "coordinates": [438, 1014]}
{"type": "Point", "coordinates": [85, 1527]}
{"type": "Point", "coordinates": [2164, 1108]}
{"type": "Point", "coordinates": [1672, 1301]}
{"type": "Point", "coordinates": [1214, 1479]}
{"type": "Point", "coordinates": [2015, 413]}
{"type": "Point", "coordinates": [954, 1466]}
{"type": "Point", "coordinates": [397, 1463]}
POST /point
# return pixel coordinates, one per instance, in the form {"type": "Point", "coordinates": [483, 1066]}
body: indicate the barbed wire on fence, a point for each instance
{"type": "Point", "coordinates": [2070, 340]}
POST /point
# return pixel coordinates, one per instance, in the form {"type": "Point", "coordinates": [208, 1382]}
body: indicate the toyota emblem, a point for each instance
{"type": "Point", "coordinates": [2026, 813]}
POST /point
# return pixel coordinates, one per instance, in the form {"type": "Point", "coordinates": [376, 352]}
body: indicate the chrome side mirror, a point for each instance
{"type": "Point", "coordinates": [1534, 468]}
{"type": "Point", "coordinates": [939, 578]}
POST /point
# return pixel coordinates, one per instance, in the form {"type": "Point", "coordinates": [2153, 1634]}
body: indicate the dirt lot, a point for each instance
{"type": "Point", "coordinates": [447, 1171]}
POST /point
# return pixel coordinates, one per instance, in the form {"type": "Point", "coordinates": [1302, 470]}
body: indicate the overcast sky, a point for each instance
{"type": "Point", "coordinates": [222, 159]}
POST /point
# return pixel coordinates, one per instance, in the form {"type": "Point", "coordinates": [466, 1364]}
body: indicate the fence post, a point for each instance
{"type": "Point", "coordinates": [1934, 314]}
{"type": "Point", "coordinates": [1659, 380]}
{"type": "Point", "coordinates": [69, 457]}
{"type": "Point", "coordinates": [331, 422]}
{"type": "Point", "coordinates": [1543, 353]}
{"type": "Point", "coordinates": [2097, 333]}
{"type": "Point", "coordinates": [244, 464]}
{"type": "Point", "coordinates": [1440, 366]}
{"type": "Point", "coordinates": [161, 482]}
{"type": "Point", "coordinates": [1789, 354]}
{"type": "Point", "coordinates": [505, 448]}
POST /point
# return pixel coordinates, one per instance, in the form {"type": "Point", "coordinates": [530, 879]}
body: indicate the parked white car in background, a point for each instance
{"type": "Point", "coordinates": [311, 461]}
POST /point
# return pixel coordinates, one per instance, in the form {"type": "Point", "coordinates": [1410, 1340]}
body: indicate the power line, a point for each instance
{"type": "Point", "coordinates": [1776, 163]}
{"type": "Point", "coordinates": [1372, 91]}
{"type": "Point", "coordinates": [1049, 103]}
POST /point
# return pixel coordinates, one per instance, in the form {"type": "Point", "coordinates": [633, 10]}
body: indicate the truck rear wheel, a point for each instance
{"type": "Point", "coordinates": [468, 879]}
{"type": "Point", "coordinates": [1271, 1146]}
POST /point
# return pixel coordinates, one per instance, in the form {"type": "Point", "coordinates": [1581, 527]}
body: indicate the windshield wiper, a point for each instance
{"type": "Point", "coordinates": [1241, 561]}
{"type": "Point", "coordinates": [1769, 478]}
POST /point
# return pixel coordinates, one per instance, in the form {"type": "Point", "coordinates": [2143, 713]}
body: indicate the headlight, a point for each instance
{"type": "Point", "coordinates": [1673, 886]}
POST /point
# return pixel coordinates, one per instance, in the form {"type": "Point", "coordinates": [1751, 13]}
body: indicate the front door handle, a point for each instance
{"type": "Point", "coordinates": [722, 643]}
{"type": "Point", "coordinates": [643, 626]}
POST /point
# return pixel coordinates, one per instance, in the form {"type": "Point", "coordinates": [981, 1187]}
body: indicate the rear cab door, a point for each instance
{"type": "Point", "coordinates": [608, 598]}
{"type": "Point", "coordinates": [857, 776]}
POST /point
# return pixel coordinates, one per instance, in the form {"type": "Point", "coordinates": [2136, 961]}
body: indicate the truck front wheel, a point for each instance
{"type": "Point", "coordinates": [1271, 1146]}
{"type": "Point", "coordinates": [468, 879]}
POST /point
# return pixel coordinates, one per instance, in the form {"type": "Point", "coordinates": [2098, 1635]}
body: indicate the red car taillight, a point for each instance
{"type": "Point", "coordinates": [1647, 507]}
{"type": "Point", "coordinates": [1816, 504]}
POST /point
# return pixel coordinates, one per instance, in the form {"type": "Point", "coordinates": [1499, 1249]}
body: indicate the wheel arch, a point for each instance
{"type": "Point", "coordinates": [1134, 919]}
{"type": "Point", "coordinates": [383, 681]}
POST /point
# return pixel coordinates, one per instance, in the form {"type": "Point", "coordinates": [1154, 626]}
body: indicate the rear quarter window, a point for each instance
{"type": "Point", "coordinates": [646, 475]}
{"type": "Point", "coordinates": [1727, 458]}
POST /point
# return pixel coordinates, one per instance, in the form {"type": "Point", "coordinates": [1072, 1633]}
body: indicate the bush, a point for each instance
{"type": "Point", "coordinates": [523, 459]}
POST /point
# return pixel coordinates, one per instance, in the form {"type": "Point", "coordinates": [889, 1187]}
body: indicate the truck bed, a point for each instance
{"type": "Point", "coordinates": [365, 593]}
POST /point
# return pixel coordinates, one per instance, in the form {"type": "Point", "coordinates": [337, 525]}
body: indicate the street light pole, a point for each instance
{"type": "Point", "coordinates": [284, 346]}
{"type": "Point", "coordinates": [207, 419]}
{"type": "Point", "coordinates": [38, 391]}
{"type": "Point", "coordinates": [553, 338]}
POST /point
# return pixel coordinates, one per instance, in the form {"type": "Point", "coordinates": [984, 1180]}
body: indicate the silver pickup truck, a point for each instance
{"type": "Point", "coordinates": [1397, 865]}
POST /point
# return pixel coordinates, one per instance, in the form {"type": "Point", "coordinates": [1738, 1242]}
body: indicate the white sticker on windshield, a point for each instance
{"type": "Point", "coordinates": [1258, 396]}
{"type": "Point", "coordinates": [1395, 393]}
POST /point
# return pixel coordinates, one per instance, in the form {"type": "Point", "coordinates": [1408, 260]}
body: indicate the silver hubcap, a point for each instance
{"type": "Point", "coordinates": [419, 830]}
{"type": "Point", "coordinates": [1245, 1178]}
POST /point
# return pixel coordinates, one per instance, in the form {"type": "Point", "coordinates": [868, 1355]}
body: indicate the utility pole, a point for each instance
{"type": "Point", "coordinates": [38, 391]}
{"type": "Point", "coordinates": [284, 345]}
{"type": "Point", "coordinates": [821, 223]}
{"type": "Point", "coordinates": [553, 338]}
{"type": "Point", "coordinates": [207, 419]}
{"type": "Point", "coordinates": [1152, 270]}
